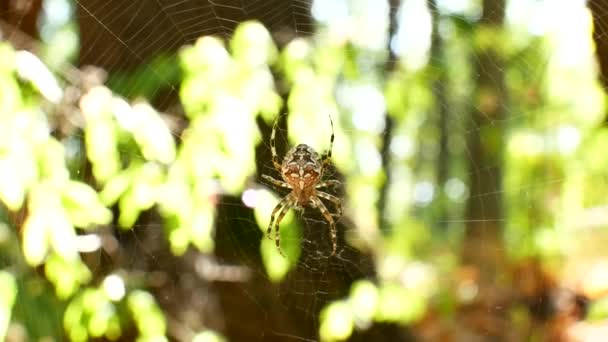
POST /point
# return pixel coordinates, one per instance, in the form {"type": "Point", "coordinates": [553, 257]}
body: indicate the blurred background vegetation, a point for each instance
{"type": "Point", "coordinates": [471, 140]}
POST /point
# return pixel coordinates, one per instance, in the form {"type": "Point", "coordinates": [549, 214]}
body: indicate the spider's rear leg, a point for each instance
{"type": "Point", "coordinates": [277, 232]}
{"type": "Point", "coordinates": [278, 207]}
{"type": "Point", "coordinates": [333, 199]}
{"type": "Point", "coordinates": [332, 224]}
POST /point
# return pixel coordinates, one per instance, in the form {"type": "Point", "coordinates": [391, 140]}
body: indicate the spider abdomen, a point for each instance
{"type": "Point", "coordinates": [302, 170]}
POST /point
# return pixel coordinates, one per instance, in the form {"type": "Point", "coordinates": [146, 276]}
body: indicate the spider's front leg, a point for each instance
{"type": "Point", "coordinates": [273, 149]}
{"type": "Point", "coordinates": [327, 156]}
{"type": "Point", "coordinates": [276, 182]}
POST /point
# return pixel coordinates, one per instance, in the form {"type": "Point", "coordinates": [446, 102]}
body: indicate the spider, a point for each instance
{"type": "Point", "coordinates": [302, 170]}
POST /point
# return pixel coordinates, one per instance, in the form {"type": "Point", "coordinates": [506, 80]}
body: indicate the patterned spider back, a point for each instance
{"type": "Point", "coordinates": [302, 168]}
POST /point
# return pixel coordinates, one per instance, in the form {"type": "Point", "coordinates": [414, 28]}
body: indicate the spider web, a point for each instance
{"type": "Point", "coordinates": [242, 301]}
{"type": "Point", "coordinates": [132, 32]}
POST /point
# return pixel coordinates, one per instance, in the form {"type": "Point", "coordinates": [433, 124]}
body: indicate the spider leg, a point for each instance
{"type": "Point", "coordinates": [325, 184]}
{"type": "Point", "coordinates": [276, 182]}
{"type": "Point", "coordinates": [327, 155]}
{"type": "Point", "coordinates": [275, 158]}
{"type": "Point", "coordinates": [332, 224]}
{"type": "Point", "coordinates": [277, 235]}
{"type": "Point", "coordinates": [333, 199]}
{"type": "Point", "coordinates": [279, 206]}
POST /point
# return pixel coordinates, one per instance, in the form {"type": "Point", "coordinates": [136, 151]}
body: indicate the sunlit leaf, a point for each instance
{"type": "Point", "coordinates": [148, 316]}
{"type": "Point", "coordinates": [152, 134]}
{"type": "Point", "coordinates": [252, 44]}
{"type": "Point", "coordinates": [363, 299]}
{"type": "Point", "coordinates": [295, 56]}
{"type": "Point", "coordinates": [35, 239]}
{"type": "Point", "coordinates": [83, 206]}
{"type": "Point", "coordinates": [141, 194]}
{"type": "Point", "coordinates": [101, 130]}
{"type": "Point", "coordinates": [336, 322]}
{"type": "Point", "coordinates": [100, 138]}
{"type": "Point", "coordinates": [399, 305]}
{"type": "Point", "coordinates": [277, 265]}
{"type": "Point", "coordinates": [12, 189]}
{"type": "Point", "coordinates": [10, 97]}
{"type": "Point", "coordinates": [7, 56]}
{"type": "Point", "coordinates": [208, 336]}
{"type": "Point", "coordinates": [66, 275]}
{"type": "Point", "coordinates": [598, 310]}
{"type": "Point", "coordinates": [92, 314]}
{"type": "Point", "coordinates": [179, 238]}
{"type": "Point", "coordinates": [202, 228]}
{"type": "Point", "coordinates": [32, 69]}
{"type": "Point", "coordinates": [51, 159]}
{"type": "Point", "coordinates": [115, 187]}
{"type": "Point", "coordinates": [207, 53]}
{"type": "Point", "coordinates": [8, 294]}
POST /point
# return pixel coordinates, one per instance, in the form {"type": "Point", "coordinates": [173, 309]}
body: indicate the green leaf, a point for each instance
{"type": "Point", "coordinates": [277, 265]}
{"type": "Point", "coordinates": [201, 229]}
{"type": "Point", "coordinates": [116, 187]}
{"type": "Point", "coordinates": [102, 147]}
{"type": "Point", "coordinates": [364, 300]}
{"type": "Point", "coordinates": [399, 305]}
{"type": "Point", "coordinates": [7, 56]}
{"type": "Point", "coordinates": [10, 96]}
{"type": "Point", "coordinates": [92, 314]}
{"type": "Point", "coordinates": [148, 316]}
{"type": "Point", "coordinates": [83, 206]}
{"type": "Point", "coordinates": [152, 134]}
{"type": "Point", "coordinates": [35, 239]}
{"type": "Point", "coordinates": [66, 275]}
{"type": "Point", "coordinates": [336, 322]}
{"type": "Point", "coordinates": [252, 44]}
{"type": "Point", "coordinates": [598, 310]}
{"type": "Point", "coordinates": [208, 336]}
{"type": "Point", "coordinates": [51, 159]}
{"type": "Point", "coordinates": [8, 294]}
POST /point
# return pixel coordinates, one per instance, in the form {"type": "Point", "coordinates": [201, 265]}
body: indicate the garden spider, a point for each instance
{"type": "Point", "coordinates": [302, 170]}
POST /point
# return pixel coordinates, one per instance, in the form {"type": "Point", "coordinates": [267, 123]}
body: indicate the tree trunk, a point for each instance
{"type": "Point", "coordinates": [485, 140]}
{"type": "Point", "coordinates": [599, 11]}
{"type": "Point", "coordinates": [22, 15]}
{"type": "Point", "coordinates": [441, 114]}
{"type": "Point", "coordinates": [482, 250]}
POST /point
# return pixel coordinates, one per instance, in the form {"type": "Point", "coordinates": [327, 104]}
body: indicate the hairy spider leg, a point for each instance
{"type": "Point", "coordinates": [275, 158]}
{"type": "Point", "coordinates": [329, 218]}
{"type": "Point", "coordinates": [333, 199]}
{"type": "Point", "coordinates": [277, 182]}
{"type": "Point", "coordinates": [327, 183]}
{"type": "Point", "coordinates": [277, 233]}
{"type": "Point", "coordinates": [327, 155]}
{"type": "Point", "coordinates": [280, 205]}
